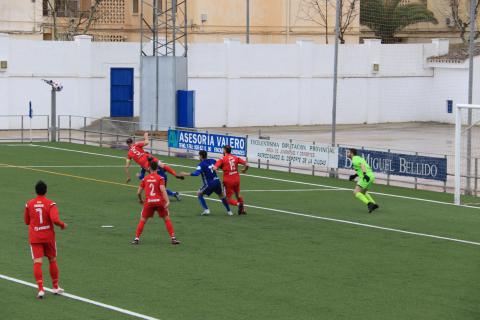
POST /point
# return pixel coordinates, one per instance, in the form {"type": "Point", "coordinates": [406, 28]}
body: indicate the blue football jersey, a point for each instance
{"type": "Point", "coordinates": [205, 170]}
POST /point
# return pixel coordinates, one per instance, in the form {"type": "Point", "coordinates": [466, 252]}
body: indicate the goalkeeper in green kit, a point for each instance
{"type": "Point", "coordinates": [365, 181]}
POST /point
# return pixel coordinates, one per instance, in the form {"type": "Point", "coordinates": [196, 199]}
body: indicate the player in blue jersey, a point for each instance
{"type": "Point", "coordinates": [211, 183]}
{"type": "Point", "coordinates": [162, 171]}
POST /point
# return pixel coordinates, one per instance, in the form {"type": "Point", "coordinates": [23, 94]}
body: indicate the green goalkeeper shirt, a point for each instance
{"type": "Point", "coordinates": [357, 166]}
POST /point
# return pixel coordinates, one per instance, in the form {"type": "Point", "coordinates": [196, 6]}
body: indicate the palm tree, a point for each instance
{"type": "Point", "coordinates": [388, 17]}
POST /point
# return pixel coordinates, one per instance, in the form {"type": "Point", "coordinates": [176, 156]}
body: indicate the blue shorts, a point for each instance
{"type": "Point", "coordinates": [215, 186]}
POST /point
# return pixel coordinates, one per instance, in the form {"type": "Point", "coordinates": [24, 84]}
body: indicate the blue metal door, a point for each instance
{"type": "Point", "coordinates": [121, 92]}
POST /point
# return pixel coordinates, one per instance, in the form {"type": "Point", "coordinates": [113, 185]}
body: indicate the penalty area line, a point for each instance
{"type": "Point", "coordinates": [81, 299]}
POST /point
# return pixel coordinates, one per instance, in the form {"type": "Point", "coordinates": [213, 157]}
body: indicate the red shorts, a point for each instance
{"type": "Point", "coordinates": [231, 187]}
{"type": "Point", "coordinates": [47, 249]}
{"type": "Point", "coordinates": [149, 211]}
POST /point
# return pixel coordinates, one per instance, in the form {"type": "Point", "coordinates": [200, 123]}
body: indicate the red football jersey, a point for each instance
{"type": "Point", "coordinates": [40, 214]}
{"type": "Point", "coordinates": [229, 165]}
{"type": "Point", "coordinates": [138, 155]}
{"type": "Point", "coordinates": [151, 184]}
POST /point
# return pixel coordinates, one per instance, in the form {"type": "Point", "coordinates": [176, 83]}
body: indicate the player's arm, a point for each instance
{"type": "Point", "coordinates": [139, 194]}
{"type": "Point", "coordinates": [364, 170]}
{"type": "Point", "coordinates": [191, 174]}
{"type": "Point", "coordinates": [244, 163]}
{"type": "Point", "coordinates": [26, 215]}
{"type": "Point", "coordinates": [163, 190]}
{"type": "Point", "coordinates": [127, 165]}
{"type": "Point", "coordinates": [55, 217]}
{"type": "Point", "coordinates": [217, 164]}
{"type": "Point", "coordinates": [145, 139]}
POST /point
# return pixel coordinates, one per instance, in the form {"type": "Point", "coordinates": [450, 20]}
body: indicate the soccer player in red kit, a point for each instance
{"type": "Point", "coordinates": [143, 158]}
{"type": "Point", "coordinates": [40, 215]}
{"type": "Point", "coordinates": [231, 178]}
{"type": "Point", "coordinates": [156, 200]}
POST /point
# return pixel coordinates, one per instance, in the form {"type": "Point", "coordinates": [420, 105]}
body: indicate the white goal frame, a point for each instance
{"type": "Point", "coordinates": [458, 147]}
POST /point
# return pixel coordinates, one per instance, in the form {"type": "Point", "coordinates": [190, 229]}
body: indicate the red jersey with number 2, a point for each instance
{"type": "Point", "coordinates": [154, 196]}
{"type": "Point", "coordinates": [138, 155]}
{"type": "Point", "coordinates": [229, 165]}
{"type": "Point", "coordinates": [40, 214]}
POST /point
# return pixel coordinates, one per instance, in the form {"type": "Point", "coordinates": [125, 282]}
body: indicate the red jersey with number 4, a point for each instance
{"type": "Point", "coordinates": [138, 155]}
{"type": "Point", "coordinates": [229, 165]}
{"type": "Point", "coordinates": [151, 184]}
{"type": "Point", "coordinates": [41, 214]}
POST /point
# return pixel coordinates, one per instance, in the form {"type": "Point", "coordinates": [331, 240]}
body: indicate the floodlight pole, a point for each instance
{"type": "Point", "coordinates": [248, 21]}
{"type": "Point", "coordinates": [335, 74]}
{"type": "Point", "coordinates": [53, 120]}
{"type": "Point", "coordinates": [473, 24]}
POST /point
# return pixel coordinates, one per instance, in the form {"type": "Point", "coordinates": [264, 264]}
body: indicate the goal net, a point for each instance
{"type": "Point", "coordinates": [467, 154]}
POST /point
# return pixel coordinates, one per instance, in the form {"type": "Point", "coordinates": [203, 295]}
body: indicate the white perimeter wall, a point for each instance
{"type": "Point", "coordinates": [245, 85]}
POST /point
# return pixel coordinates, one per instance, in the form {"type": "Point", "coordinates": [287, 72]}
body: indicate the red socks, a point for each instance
{"type": "Point", "coordinates": [235, 203]}
{"type": "Point", "coordinates": [169, 226]}
{"type": "Point", "coordinates": [232, 202]}
{"type": "Point", "coordinates": [54, 273]}
{"type": "Point", "coordinates": [37, 272]}
{"type": "Point", "coordinates": [140, 226]}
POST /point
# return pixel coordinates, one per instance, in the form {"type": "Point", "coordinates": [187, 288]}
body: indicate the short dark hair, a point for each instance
{"type": "Point", "coordinates": [41, 188]}
{"type": "Point", "coordinates": [153, 165]}
{"type": "Point", "coordinates": [353, 151]}
{"type": "Point", "coordinates": [203, 154]}
{"type": "Point", "coordinates": [227, 149]}
{"type": "Point", "coordinates": [129, 141]}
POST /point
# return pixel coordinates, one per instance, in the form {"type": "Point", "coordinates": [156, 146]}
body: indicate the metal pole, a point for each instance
{"type": "Point", "coordinates": [22, 128]}
{"type": "Point", "coordinates": [476, 176]}
{"type": "Point", "coordinates": [473, 24]}
{"type": "Point", "coordinates": [458, 158]}
{"type": "Point", "coordinates": [155, 44]}
{"type": "Point", "coordinates": [84, 130]}
{"type": "Point", "coordinates": [70, 128]}
{"type": "Point", "coordinates": [174, 22]}
{"type": "Point", "coordinates": [53, 116]}
{"type": "Point", "coordinates": [248, 21]}
{"type": "Point", "coordinates": [335, 75]}
{"type": "Point", "coordinates": [59, 129]}
{"type": "Point", "coordinates": [335, 72]}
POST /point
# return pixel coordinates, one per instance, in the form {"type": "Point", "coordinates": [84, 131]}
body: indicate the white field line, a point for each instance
{"type": "Point", "coordinates": [426, 235]}
{"type": "Point", "coordinates": [74, 297]}
{"type": "Point", "coordinates": [276, 179]}
{"type": "Point", "coordinates": [278, 190]}
{"type": "Point", "coordinates": [275, 210]}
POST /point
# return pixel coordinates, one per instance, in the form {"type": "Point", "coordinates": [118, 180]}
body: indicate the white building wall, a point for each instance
{"type": "Point", "coordinates": [245, 85]}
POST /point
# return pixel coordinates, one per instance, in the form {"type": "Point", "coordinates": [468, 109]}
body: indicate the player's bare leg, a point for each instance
{"type": "Point", "coordinates": [171, 232]}
{"type": "Point", "coordinates": [37, 272]}
{"type": "Point", "coordinates": [140, 226]}
{"type": "Point", "coordinates": [54, 274]}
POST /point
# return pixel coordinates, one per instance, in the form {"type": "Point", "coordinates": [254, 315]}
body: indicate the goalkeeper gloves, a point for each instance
{"type": "Point", "coordinates": [352, 177]}
{"type": "Point", "coordinates": [365, 177]}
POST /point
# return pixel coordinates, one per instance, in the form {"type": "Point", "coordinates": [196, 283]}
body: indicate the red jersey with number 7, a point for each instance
{"type": "Point", "coordinates": [151, 184]}
{"type": "Point", "coordinates": [229, 165]}
{"type": "Point", "coordinates": [138, 155]}
{"type": "Point", "coordinates": [40, 215]}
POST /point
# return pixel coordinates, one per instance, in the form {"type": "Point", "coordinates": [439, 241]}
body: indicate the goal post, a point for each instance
{"type": "Point", "coordinates": [467, 136]}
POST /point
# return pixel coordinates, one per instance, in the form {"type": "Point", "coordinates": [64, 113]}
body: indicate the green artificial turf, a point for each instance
{"type": "Point", "coordinates": [265, 265]}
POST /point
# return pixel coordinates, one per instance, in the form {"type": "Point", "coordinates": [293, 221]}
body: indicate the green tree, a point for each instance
{"type": "Point", "coordinates": [387, 17]}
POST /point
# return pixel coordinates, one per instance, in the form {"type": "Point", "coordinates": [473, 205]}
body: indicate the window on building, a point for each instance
{"type": "Point", "coordinates": [45, 8]}
{"type": "Point", "coordinates": [135, 6]}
